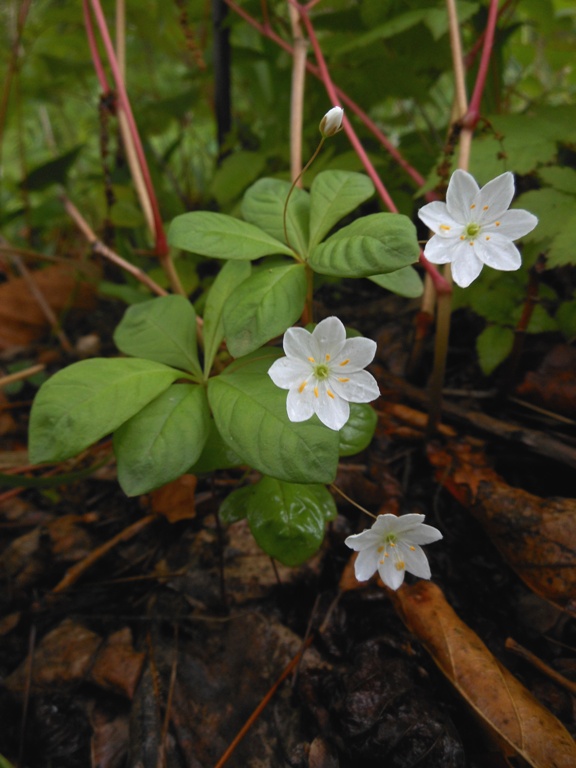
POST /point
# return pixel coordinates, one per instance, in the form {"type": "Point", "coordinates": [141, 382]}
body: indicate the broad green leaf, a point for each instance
{"type": "Point", "coordinates": [230, 277]}
{"type": "Point", "coordinates": [235, 505]}
{"type": "Point", "coordinates": [358, 431]}
{"type": "Point", "coordinates": [540, 321]}
{"type": "Point", "coordinates": [264, 306]}
{"type": "Point", "coordinates": [235, 173]}
{"type": "Point", "coordinates": [163, 330]}
{"type": "Point", "coordinates": [556, 228]}
{"type": "Point", "coordinates": [53, 172]}
{"type": "Point", "coordinates": [287, 519]}
{"type": "Point", "coordinates": [333, 195]}
{"type": "Point", "coordinates": [216, 454]}
{"type": "Point", "coordinates": [263, 205]}
{"type": "Point", "coordinates": [250, 413]}
{"type": "Point", "coordinates": [162, 441]}
{"type": "Point", "coordinates": [222, 237]}
{"type": "Point", "coordinates": [404, 282]}
{"type": "Point", "coordinates": [561, 178]}
{"type": "Point", "coordinates": [373, 245]}
{"type": "Point", "coordinates": [88, 400]}
{"type": "Point", "coordinates": [494, 345]}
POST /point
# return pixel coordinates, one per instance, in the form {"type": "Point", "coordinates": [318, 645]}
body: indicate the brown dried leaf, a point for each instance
{"type": "Point", "coordinates": [553, 385]}
{"type": "Point", "coordinates": [175, 500]}
{"type": "Point", "coordinates": [118, 665]}
{"type": "Point", "coordinates": [22, 319]}
{"type": "Point", "coordinates": [536, 536]}
{"type": "Point", "coordinates": [517, 720]}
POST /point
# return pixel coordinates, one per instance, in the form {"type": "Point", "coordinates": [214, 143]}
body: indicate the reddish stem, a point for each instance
{"type": "Point", "coordinates": [473, 114]}
{"type": "Point", "coordinates": [161, 244]}
{"type": "Point", "coordinates": [96, 60]}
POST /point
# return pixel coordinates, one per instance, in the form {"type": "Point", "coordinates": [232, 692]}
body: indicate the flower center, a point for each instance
{"type": "Point", "coordinates": [321, 371]}
{"type": "Point", "coordinates": [391, 538]}
{"type": "Point", "coordinates": [472, 230]}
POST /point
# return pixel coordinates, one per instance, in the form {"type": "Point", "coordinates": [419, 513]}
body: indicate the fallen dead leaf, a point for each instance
{"type": "Point", "coordinates": [519, 722]}
{"type": "Point", "coordinates": [175, 500]}
{"type": "Point", "coordinates": [553, 385]}
{"type": "Point", "coordinates": [536, 536]}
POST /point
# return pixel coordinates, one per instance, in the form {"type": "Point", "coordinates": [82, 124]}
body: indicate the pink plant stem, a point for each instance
{"type": "Point", "coordinates": [161, 244]}
{"type": "Point", "coordinates": [266, 31]}
{"type": "Point", "coordinates": [96, 60]}
{"type": "Point", "coordinates": [473, 114]}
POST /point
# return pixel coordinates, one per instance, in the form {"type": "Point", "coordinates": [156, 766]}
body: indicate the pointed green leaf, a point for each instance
{"type": "Point", "coordinates": [358, 431]}
{"type": "Point", "coordinates": [216, 454]}
{"type": "Point", "coordinates": [263, 205]}
{"type": "Point", "coordinates": [222, 237]}
{"type": "Point", "coordinates": [288, 520]}
{"type": "Point", "coordinates": [333, 195]}
{"type": "Point", "coordinates": [163, 440]}
{"type": "Point", "coordinates": [404, 282]}
{"type": "Point", "coordinates": [163, 330]}
{"type": "Point", "coordinates": [230, 277]}
{"type": "Point", "coordinates": [264, 306]}
{"type": "Point", "coordinates": [88, 400]}
{"type": "Point", "coordinates": [494, 345]}
{"type": "Point", "coordinates": [53, 172]}
{"type": "Point", "coordinates": [235, 505]}
{"type": "Point", "coordinates": [373, 245]}
{"type": "Point", "coordinates": [250, 413]}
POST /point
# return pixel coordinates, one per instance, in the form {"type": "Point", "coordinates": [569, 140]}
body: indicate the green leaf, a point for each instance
{"type": "Point", "coordinates": [540, 321]}
{"type": "Point", "coordinates": [250, 413]}
{"type": "Point", "coordinates": [494, 345]}
{"type": "Point", "coordinates": [561, 178]}
{"type": "Point", "coordinates": [566, 319]}
{"type": "Point", "coordinates": [53, 172]}
{"type": "Point", "coordinates": [287, 520]}
{"type": "Point", "coordinates": [235, 173]}
{"type": "Point", "coordinates": [82, 403]}
{"type": "Point", "coordinates": [373, 245]}
{"type": "Point", "coordinates": [358, 431]}
{"type": "Point", "coordinates": [230, 277]}
{"type": "Point", "coordinates": [216, 454]}
{"type": "Point", "coordinates": [556, 228]}
{"type": "Point", "coordinates": [235, 505]}
{"type": "Point", "coordinates": [222, 237]}
{"type": "Point", "coordinates": [263, 205]}
{"type": "Point", "coordinates": [264, 306]}
{"type": "Point", "coordinates": [162, 441]}
{"type": "Point", "coordinates": [333, 195]}
{"type": "Point", "coordinates": [404, 282]}
{"type": "Point", "coordinates": [163, 330]}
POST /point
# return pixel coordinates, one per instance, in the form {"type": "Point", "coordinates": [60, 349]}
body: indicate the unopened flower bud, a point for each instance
{"type": "Point", "coordinates": [331, 123]}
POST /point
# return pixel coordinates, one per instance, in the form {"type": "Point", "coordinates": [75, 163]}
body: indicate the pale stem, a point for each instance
{"type": "Point", "coordinates": [296, 180]}
{"type": "Point", "coordinates": [351, 501]}
{"type": "Point", "coordinates": [297, 95]}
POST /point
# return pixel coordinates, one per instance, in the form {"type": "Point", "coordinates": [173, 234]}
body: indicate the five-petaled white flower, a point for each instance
{"type": "Point", "coordinates": [392, 547]}
{"type": "Point", "coordinates": [474, 227]}
{"type": "Point", "coordinates": [331, 123]}
{"type": "Point", "coordinates": [323, 373]}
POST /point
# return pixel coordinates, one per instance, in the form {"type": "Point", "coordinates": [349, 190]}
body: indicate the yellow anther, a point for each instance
{"type": "Point", "coordinates": [345, 362]}
{"type": "Point", "coordinates": [327, 358]}
{"type": "Point", "coordinates": [485, 208]}
{"type": "Point", "coordinates": [462, 237]}
{"type": "Point", "coordinates": [386, 554]}
{"type": "Point", "coordinates": [329, 394]}
{"type": "Point", "coordinates": [392, 544]}
{"type": "Point", "coordinates": [497, 223]}
{"type": "Point", "coordinates": [315, 391]}
{"type": "Point", "coordinates": [412, 548]}
{"type": "Point", "coordinates": [311, 359]}
{"type": "Point", "coordinates": [301, 387]}
{"type": "Point", "coordinates": [487, 237]}
{"type": "Point", "coordinates": [380, 548]}
{"type": "Point", "coordinates": [343, 379]}
{"type": "Point", "coordinates": [471, 242]}
{"type": "Point", "coordinates": [445, 227]}
{"type": "Point", "coordinates": [473, 206]}
{"type": "Point", "coordinates": [400, 565]}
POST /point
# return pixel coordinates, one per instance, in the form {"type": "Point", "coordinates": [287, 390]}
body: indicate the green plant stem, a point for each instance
{"type": "Point", "coordinates": [302, 172]}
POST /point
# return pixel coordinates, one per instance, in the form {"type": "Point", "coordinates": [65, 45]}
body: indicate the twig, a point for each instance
{"type": "Point", "coordinates": [524, 653]}
{"type": "Point", "coordinates": [20, 375]}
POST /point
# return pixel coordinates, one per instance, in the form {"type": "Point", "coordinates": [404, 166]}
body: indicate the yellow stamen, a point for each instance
{"type": "Point", "coordinates": [462, 237]}
{"type": "Point", "coordinates": [487, 237]}
{"type": "Point", "coordinates": [301, 387]}
{"type": "Point", "coordinates": [400, 565]}
{"type": "Point", "coordinates": [497, 223]}
{"type": "Point", "coordinates": [345, 362]}
{"type": "Point", "coordinates": [445, 227]}
{"type": "Point", "coordinates": [329, 394]}
{"type": "Point", "coordinates": [327, 358]}
{"type": "Point", "coordinates": [473, 206]}
{"type": "Point", "coordinates": [471, 242]}
{"type": "Point", "coordinates": [386, 554]}
{"type": "Point", "coordinates": [392, 544]}
{"type": "Point", "coordinates": [485, 208]}
{"type": "Point", "coordinates": [413, 548]}
{"type": "Point", "coordinates": [311, 359]}
{"type": "Point", "coordinates": [380, 548]}
{"type": "Point", "coordinates": [342, 379]}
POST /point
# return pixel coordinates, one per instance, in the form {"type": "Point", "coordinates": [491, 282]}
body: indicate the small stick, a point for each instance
{"type": "Point", "coordinates": [20, 375]}
{"type": "Point", "coordinates": [524, 653]}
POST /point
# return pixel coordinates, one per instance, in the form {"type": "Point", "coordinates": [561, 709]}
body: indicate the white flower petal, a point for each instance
{"type": "Point", "coordinates": [285, 372]}
{"type": "Point", "coordinates": [494, 198]}
{"type": "Point", "coordinates": [366, 563]}
{"type": "Point", "coordinates": [460, 195]}
{"type": "Point", "coordinates": [390, 575]}
{"type": "Point", "coordinates": [436, 217]}
{"type": "Point", "coordinates": [499, 253]}
{"type": "Point", "coordinates": [329, 336]}
{"type": "Point", "coordinates": [359, 541]}
{"type": "Point", "coordinates": [297, 343]}
{"type": "Point", "coordinates": [439, 251]}
{"type": "Point", "coordinates": [424, 534]}
{"type": "Point", "coordinates": [356, 354]}
{"type": "Point", "coordinates": [361, 387]}
{"type": "Point", "coordinates": [333, 411]}
{"type": "Point", "coordinates": [466, 268]}
{"type": "Point", "coordinates": [404, 523]}
{"type": "Point", "coordinates": [299, 404]}
{"type": "Point", "coordinates": [512, 224]}
{"type": "Point", "coordinates": [415, 560]}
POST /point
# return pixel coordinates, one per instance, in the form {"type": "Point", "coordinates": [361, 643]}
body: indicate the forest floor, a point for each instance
{"type": "Point", "coordinates": [141, 632]}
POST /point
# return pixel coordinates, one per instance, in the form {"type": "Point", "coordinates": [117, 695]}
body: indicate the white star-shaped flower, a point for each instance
{"type": "Point", "coordinates": [323, 373]}
{"type": "Point", "coordinates": [474, 227]}
{"type": "Point", "coordinates": [392, 547]}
